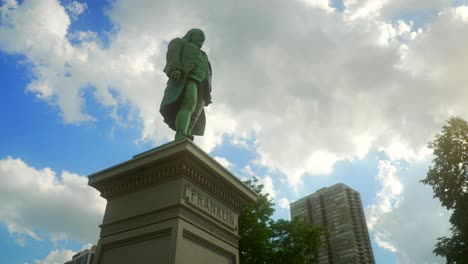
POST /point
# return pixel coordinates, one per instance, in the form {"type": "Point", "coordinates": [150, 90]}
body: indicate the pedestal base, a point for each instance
{"type": "Point", "coordinates": [174, 204]}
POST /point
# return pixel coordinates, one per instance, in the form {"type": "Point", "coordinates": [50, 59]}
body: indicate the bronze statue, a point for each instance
{"type": "Point", "coordinates": [188, 89]}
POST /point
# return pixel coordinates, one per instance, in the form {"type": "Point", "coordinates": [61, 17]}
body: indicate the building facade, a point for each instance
{"type": "Point", "coordinates": [83, 257]}
{"type": "Point", "coordinates": [339, 209]}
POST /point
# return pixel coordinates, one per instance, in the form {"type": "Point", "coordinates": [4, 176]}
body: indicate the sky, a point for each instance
{"type": "Point", "coordinates": [306, 94]}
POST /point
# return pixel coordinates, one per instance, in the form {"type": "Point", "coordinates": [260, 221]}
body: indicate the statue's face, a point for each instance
{"type": "Point", "coordinates": [197, 38]}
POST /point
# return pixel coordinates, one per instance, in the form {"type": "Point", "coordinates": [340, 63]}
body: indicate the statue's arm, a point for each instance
{"type": "Point", "coordinates": [173, 63]}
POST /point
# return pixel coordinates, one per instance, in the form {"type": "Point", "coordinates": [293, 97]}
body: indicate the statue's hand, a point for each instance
{"type": "Point", "coordinates": [175, 75]}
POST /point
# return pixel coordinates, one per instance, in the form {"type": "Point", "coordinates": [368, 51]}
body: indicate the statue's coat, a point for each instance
{"type": "Point", "coordinates": [183, 56]}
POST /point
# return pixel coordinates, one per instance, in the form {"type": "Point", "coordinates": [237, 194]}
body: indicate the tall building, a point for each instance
{"type": "Point", "coordinates": [83, 257]}
{"type": "Point", "coordinates": [339, 209]}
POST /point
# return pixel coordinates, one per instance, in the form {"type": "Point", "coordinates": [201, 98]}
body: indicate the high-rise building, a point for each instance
{"type": "Point", "coordinates": [339, 209]}
{"type": "Point", "coordinates": [83, 257]}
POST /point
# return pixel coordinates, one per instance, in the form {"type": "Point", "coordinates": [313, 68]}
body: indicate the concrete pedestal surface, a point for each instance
{"type": "Point", "coordinates": [173, 204]}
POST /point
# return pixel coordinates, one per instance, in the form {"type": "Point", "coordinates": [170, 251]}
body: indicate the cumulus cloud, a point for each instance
{"type": "Point", "coordinates": [400, 214]}
{"type": "Point", "coordinates": [56, 257]}
{"type": "Point", "coordinates": [223, 161]}
{"type": "Point", "coordinates": [76, 8]}
{"type": "Point", "coordinates": [309, 85]}
{"type": "Point", "coordinates": [60, 256]}
{"type": "Point", "coordinates": [386, 9]}
{"type": "Point", "coordinates": [34, 200]}
{"type": "Point", "coordinates": [284, 203]}
{"type": "Point", "coordinates": [389, 194]}
{"type": "Point", "coordinates": [83, 36]}
{"type": "Point", "coordinates": [268, 186]}
{"type": "Point", "coordinates": [323, 4]}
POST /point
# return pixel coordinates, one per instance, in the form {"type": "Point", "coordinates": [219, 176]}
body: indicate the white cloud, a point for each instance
{"type": "Point", "coordinates": [221, 123]}
{"type": "Point", "coordinates": [381, 239]}
{"type": "Point", "coordinates": [389, 194]}
{"type": "Point", "coordinates": [324, 4]}
{"type": "Point", "coordinates": [8, 4]}
{"type": "Point", "coordinates": [446, 36]}
{"type": "Point", "coordinates": [461, 12]}
{"type": "Point", "coordinates": [247, 171]}
{"type": "Point", "coordinates": [400, 214]}
{"type": "Point", "coordinates": [19, 232]}
{"type": "Point", "coordinates": [84, 36]}
{"type": "Point", "coordinates": [386, 9]}
{"type": "Point", "coordinates": [358, 8]}
{"type": "Point", "coordinates": [307, 86]}
{"type": "Point", "coordinates": [57, 257]}
{"type": "Point", "coordinates": [37, 199]}
{"type": "Point", "coordinates": [223, 161]}
{"type": "Point", "coordinates": [398, 149]}
{"type": "Point", "coordinates": [284, 203]}
{"type": "Point", "coordinates": [76, 8]}
{"type": "Point", "coordinates": [268, 186]}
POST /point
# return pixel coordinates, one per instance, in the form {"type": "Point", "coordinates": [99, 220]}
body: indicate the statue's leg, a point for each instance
{"type": "Point", "coordinates": [197, 112]}
{"type": "Point", "coordinates": [186, 110]}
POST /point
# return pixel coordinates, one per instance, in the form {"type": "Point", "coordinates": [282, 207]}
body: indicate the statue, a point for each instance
{"type": "Point", "coordinates": [188, 89]}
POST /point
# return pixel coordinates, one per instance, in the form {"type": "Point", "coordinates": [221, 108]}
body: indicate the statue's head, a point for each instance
{"type": "Point", "coordinates": [195, 36]}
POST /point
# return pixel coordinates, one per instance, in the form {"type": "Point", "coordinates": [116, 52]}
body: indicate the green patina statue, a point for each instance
{"type": "Point", "coordinates": [188, 89]}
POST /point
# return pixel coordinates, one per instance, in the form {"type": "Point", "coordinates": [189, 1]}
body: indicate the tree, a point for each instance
{"type": "Point", "coordinates": [448, 178]}
{"type": "Point", "coordinates": [254, 231]}
{"type": "Point", "coordinates": [294, 241]}
{"type": "Point", "coordinates": [265, 241]}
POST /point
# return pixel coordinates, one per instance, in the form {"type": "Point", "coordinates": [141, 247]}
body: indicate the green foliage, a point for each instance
{"type": "Point", "coordinates": [448, 178]}
{"type": "Point", "coordinates": [294, 241]}
{"type": "Point", "coordinates": [265, 241]}
{"type": "Point", "coordinates": [453, 249]}
{"type": "Point", "coordinates": [254, 247]}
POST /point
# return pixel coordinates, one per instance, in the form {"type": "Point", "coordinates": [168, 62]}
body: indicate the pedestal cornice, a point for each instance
{"type": "Point", "coordinates": [172, 160]}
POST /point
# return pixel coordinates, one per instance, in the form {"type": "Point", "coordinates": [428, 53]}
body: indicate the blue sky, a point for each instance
{"type": "Point", "coordinates": [307, 93]}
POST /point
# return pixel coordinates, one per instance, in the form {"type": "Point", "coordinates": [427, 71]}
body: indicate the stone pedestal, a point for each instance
{"type": "Point", "coordinates": [173, 204]}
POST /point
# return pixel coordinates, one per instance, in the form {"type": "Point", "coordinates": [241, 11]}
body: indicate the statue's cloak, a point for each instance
{"type": "Point", "coordinates": [182, 56]}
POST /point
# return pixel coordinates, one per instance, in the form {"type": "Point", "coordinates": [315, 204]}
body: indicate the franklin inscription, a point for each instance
{"type": "Point", "coordinates": [196, 197]}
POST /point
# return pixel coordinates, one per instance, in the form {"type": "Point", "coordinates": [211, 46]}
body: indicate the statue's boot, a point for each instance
{"type": "Point", "coordinates": [182, 124]}
{"type": "Point", "coordinates": [180, 135]}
